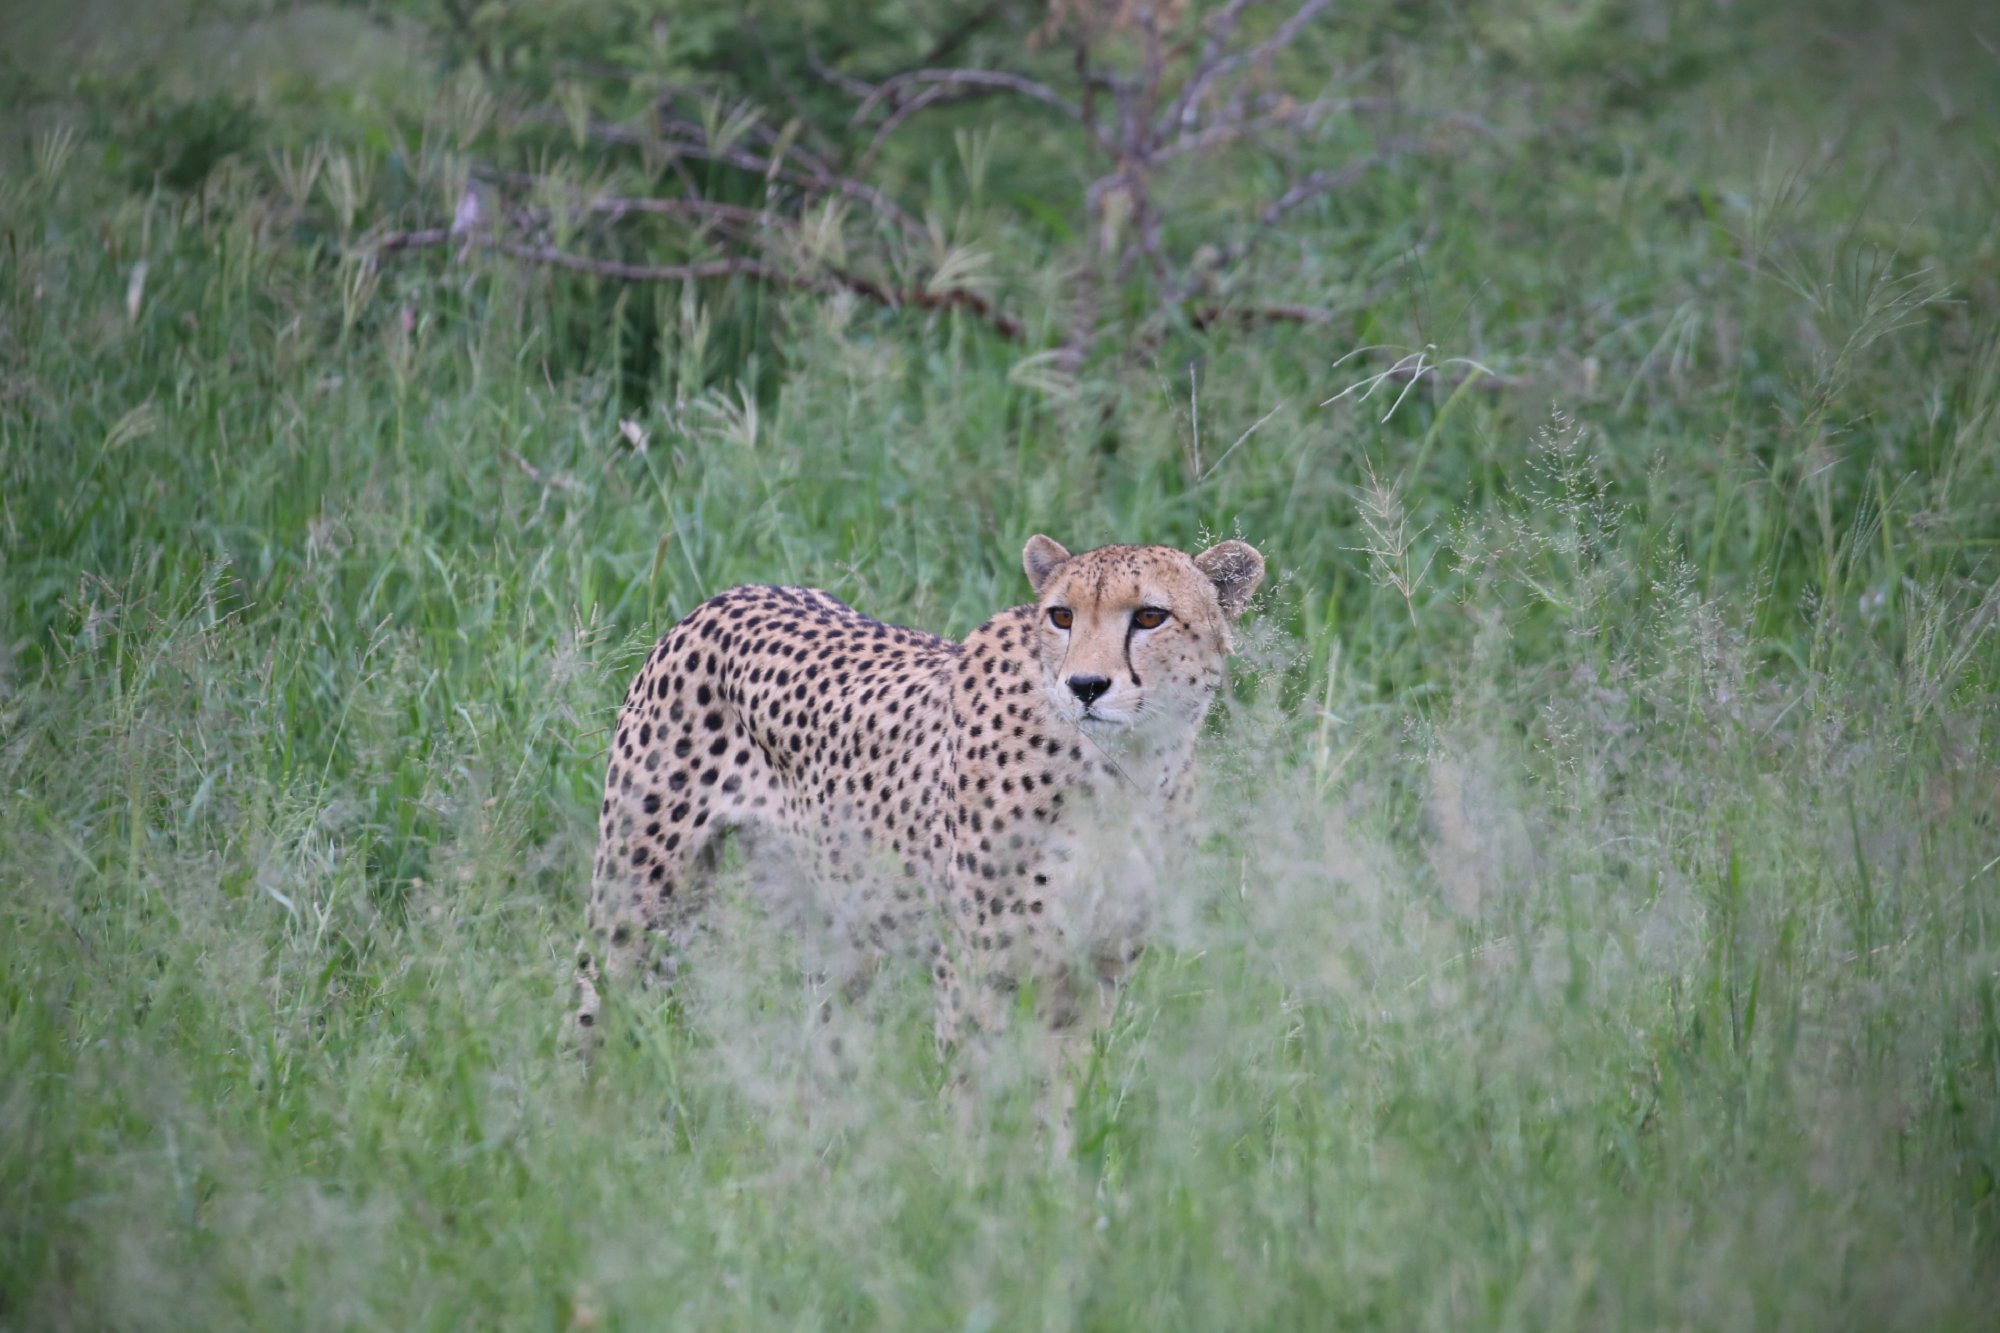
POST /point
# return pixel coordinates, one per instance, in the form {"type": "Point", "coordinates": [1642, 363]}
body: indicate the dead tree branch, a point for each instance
{"type": "Point", "coordinates": [1159, 96]}
{"type": "Point", "coordinates": [1316, 183]}
{"type": "Point", "coordinates": [689, 139]}
{"type": "Point", "coordinates": [998, 80]}
{"type": "Point", "coordinates": [1007, 325]}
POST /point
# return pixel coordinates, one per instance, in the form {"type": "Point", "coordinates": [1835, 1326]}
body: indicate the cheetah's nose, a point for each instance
{"type": "Point", "coordinates": [1089, 688]}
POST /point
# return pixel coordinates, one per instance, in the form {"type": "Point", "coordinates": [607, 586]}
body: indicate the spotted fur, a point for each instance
{"type": "Point", "coordinates": [946, 789]}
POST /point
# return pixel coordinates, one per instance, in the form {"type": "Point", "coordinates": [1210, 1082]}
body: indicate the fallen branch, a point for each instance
{"type": "Point", "coordinates": [963, 31]}
{"type": "Point", "coordinates": [1208, 316]}
{"type": "Point", "coordinates": [676, 136]}
{"type": "Point", "coordinates": [1006, 324]}
{"type": "Point", "coordinates": [614, 207]}
{"type": "Point", "coordinates": [389, 242]}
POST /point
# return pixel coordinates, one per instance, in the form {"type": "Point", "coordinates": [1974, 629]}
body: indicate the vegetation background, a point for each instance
{"type": "Point", "coordinates": [1595, 922]}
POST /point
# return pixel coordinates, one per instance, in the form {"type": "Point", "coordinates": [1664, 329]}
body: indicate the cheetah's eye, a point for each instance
{"type": "Point", "coordinates": [1061, 617]}
{"type": "Point", "coordinates": [1149, 617]}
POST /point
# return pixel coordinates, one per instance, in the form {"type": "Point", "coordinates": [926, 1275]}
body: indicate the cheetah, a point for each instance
{"type": "Point", "coordinates": [925, 785]}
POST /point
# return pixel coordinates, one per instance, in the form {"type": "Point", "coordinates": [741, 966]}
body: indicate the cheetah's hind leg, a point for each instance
{"type": "Point", "coordinates": [643, 913]}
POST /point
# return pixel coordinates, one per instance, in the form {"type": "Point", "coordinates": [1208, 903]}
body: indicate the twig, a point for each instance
{"type": "Point", "coordinates": [1007, 325]}
{"type": "Point", "coordinates": [995, 79]}
{"type": "Point", "coordinates": [1155, 61]}
{"type": "Point", "coordinates": [707, 210]}
{"type": "Point", "coordinates": [1215, 66]}
{"type": "Point", "coordinates": [928, 97]}
{"type": "Point", "coordinates": [617, 206]}
{"type": "Point", "coordinates": [1316, 183]}
{"type": "Point", "coordinates": [1287, 33]}
{"type": "Point", "coordinates": [390, 242]}
{"type": "Point", "coordinates": [1220, 29]}
{"type": "Point", "coordinates": [1286, 116]}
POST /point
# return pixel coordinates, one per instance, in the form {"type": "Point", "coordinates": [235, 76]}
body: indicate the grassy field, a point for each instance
{"type": "Point", "coordinates": [1597, 918]}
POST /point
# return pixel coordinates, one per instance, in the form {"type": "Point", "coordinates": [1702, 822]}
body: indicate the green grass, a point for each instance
{"type": "Point", "coordinates": [1597, 920]}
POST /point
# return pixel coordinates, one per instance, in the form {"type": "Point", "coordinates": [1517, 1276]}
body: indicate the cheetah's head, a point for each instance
{"type": "Point", "coordinates": [1133, 637]}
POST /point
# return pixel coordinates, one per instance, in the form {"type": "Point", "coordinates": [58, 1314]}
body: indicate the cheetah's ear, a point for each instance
{"type": "Point", "coordinates": [1040, 558]}
{"type": "Point", "coordinates": [1235, 569]}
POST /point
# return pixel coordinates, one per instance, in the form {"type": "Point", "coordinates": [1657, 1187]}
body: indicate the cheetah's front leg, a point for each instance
{"type": "Point", "coordinates": [587, 1003]}
{"type": "Point", "coordinates": [949, 992]}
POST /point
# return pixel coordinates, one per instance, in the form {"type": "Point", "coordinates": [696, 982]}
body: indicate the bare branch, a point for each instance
{"type": "Point", "coordinates": [705, 210]}
{"type": "Point", "coordinates": [1208, 316]}
{"type": "Point", "coordinates": [1287, 33]}
{"type": "Point", "coordinates": [1285, 115]}
{"type": "Point", "coordinates": [1087, 109]}
{"type": "Point", "coordinates": [390, 242]}
{"type": "Point", "coordinates": [846, 82]}
{"type": "Point", "coordinates": [819, 179]}
{"type": "Point", "coordinates": [1002, 322]}
{"type": "Point", "coordinates": [1155, 59]}
{"type": "Point", "coordinates": [614, 207]}
{"type": "Point", "coordinates": [551, 257]}
{"type": "Point", "coordinates": [969, 78]}
{"type": "Point", "coordinates": [1214, 66]}
{"type": "Point", "coordinates": [1146, 90]}
{"type": "Point", "coordinates": [930, 96]}
{"type": "Point", "coordinates": [1007, 325]}
{"type": "Point", "coordinates": [1220, 29]}
{"type": "Point", "coordinates": [1316, 183]}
